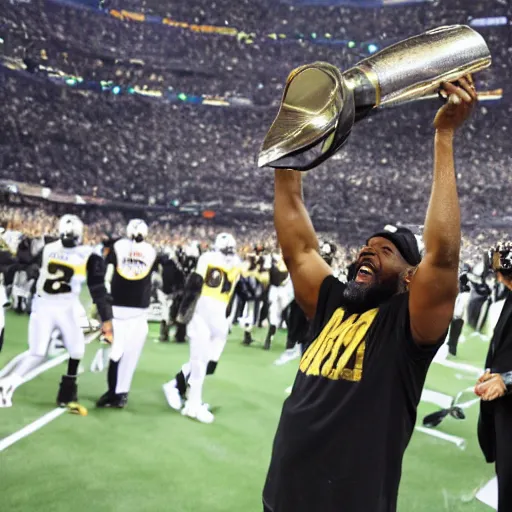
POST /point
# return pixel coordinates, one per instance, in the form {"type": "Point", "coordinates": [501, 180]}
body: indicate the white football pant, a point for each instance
{"type": "Point", "coordinates": [208, 332]}
{"type": "Point", "coordinates": [50, 314]}
{"type": "Point", "coordinates": [461, 303]}
{"type": "Point", "coordinates": [130, 326]}
{"type": "Point", "coordinates": [279, 298]}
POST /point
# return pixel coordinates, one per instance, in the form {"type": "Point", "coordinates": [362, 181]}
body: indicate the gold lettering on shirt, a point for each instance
{"type": "Point", "coordinates": [331, 353]}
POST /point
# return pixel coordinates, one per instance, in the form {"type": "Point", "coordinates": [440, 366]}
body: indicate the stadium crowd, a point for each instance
{"type": "Point", "coordinates": [147, 151]}
{"type": "Point", "coordinates": [172, 231]}
{"type": "Point", "coordinates": [41, 220]}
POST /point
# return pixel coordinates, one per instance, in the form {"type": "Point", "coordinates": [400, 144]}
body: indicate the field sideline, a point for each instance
{"type": "Point", "coordinates": [149, 458]}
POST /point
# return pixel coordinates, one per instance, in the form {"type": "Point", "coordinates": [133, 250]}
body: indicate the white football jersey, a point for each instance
{"type": "Point", "coordinates": [220, 273]}
{"type": "Point", "coordinates": [63, 270]}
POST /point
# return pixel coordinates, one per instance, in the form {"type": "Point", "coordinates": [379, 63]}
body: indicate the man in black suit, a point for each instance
{"type": "Point", "coordinates": [495, 386]}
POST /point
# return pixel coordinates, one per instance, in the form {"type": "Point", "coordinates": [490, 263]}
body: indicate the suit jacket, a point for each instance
{"type": "Point", "coordinates": [499, 360]}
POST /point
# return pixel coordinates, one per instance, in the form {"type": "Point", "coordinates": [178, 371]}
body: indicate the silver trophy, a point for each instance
{"type": "Point", "coordinates": [320, 104]}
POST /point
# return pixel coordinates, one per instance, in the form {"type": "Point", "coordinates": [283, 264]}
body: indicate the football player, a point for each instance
{"type": "Point", "coordinates": [6, 261]}
{"type": "Point", "coordinates": [65, 265]}
{"type": "Point", "coordinates": [173, 281]}
{"type": "Point", "coordinates": [188, 259]}
{"type": "Point", "coordinates": [205, 308]}
{"type": "Point", "coordinates": [4, 303]}
{"type": "Point", "coordinates": [459, 312]}
{"type": "Point", "coordinates": [257, 280]}
{"type": "Point", "coordinates": [280, 296]}
{"type": "Point", "coordinates": [132, 260]}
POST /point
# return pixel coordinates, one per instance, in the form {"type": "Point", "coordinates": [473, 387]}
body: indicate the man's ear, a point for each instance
{"type": "Point", "coordinates": [409, 274]}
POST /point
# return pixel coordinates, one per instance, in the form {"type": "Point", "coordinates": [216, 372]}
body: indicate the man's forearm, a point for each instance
{"type": "Point", "coordinates": [294, 229]}
{"type": "Point", "coordinates": [442, 223]}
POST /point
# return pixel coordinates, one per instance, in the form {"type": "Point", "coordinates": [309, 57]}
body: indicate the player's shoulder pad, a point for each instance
{"type": "Point", "coordinates": [53, 245]}
{"type": "Point", "coordinates": [85, 250]}
{"type": "Point", "coordinates": [208, 257]}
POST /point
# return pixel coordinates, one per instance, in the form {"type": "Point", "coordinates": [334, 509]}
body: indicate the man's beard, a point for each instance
{"type": "Point", "coordinates": [361, 297]}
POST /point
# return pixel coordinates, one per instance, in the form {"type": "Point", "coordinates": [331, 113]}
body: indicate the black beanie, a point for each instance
{"type": "Point", "coordinates": [406, 243]}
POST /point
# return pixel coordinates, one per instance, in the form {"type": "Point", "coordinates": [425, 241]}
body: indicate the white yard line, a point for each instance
{"type": "Point", "coordinates": [49, 416]}
{"type": "Point", "coordinates": [461, 366]}
{"type": "Point", "coordinates": [31, 428]}
{"type": "Point", "coordinates": [459, 442]}
{"type": "Point", "coordinates": [434, 397]}
{"type": "Point", "coordinates": [445, 401]}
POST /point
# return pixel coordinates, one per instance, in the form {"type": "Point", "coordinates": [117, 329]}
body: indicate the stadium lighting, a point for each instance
{"type": "Point", "coordinates": [116, 89]}
{"type": "Point", "coordinates": [351, 44]}
{"type": "Point", "coordinates": [372, 48]}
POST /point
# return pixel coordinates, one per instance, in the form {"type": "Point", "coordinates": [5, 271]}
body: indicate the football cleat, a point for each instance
{"type": "Point", "coordinates": [288, 355]}
{"type": "Point", "coordinates": [198, 412]}
{"type": "Point", "coordinates": [112, 400]}
{"type": "Point", "coordinates": [173, 396]}
{"type": "Point", "coordinates": [247, 338]}
{"type": "Point", "coordinates": [121, 400]}
{"type": "Point", "coordinates": [67, 391]}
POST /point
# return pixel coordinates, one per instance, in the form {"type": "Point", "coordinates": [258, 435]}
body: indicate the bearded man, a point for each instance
{"type": "Point", "coordinates": [344, 429]}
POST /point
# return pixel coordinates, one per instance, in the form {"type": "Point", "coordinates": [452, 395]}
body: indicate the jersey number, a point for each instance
{"type": "Point", "coordinates": [60, 283]}
{"type": "Point", "coordinates": [215, 277]}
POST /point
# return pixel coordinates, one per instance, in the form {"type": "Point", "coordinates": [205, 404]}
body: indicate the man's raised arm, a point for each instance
{"type": "Point", "coordinates": [298, 240]}
{"type": "Point", "coordinates": [434, 287]}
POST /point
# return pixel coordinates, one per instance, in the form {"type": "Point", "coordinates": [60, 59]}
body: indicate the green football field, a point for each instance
{"type": "Point", "coordinates": [150, 458]}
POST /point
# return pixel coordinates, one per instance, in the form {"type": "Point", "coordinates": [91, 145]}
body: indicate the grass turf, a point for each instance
{"type": "Point", "coordinates": [149, 458]}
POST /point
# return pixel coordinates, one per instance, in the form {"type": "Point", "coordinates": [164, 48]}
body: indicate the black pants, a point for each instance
{"type": "Point", "coordinates": [503, 429]}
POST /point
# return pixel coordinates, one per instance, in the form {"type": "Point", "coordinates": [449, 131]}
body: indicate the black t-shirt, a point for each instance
{"type": "Point", "coordinates": [344, 428]}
